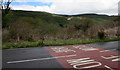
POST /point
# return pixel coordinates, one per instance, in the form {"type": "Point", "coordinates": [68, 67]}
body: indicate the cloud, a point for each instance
{"type": "Point", "coordinates": [32, 8]}
{"type": "Point", "coordinates": [71, 7]}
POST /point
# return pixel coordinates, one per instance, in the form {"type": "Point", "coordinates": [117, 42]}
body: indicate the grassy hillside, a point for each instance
{"type": "Point", "coordinates": [20, 26]}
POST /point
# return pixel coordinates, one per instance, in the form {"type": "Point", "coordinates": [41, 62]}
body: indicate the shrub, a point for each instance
{"type": "Point", "coordinates": [101, 34]}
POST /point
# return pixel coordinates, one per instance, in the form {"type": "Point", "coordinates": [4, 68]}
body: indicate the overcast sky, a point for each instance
{"type": "Point", "coordinates": [69, 7]}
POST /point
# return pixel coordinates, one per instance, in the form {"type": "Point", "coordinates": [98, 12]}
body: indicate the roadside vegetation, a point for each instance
{"type": "Point", "coordinates": [22, 29]}
{"type": "Point", "coordinates": [53, 43]}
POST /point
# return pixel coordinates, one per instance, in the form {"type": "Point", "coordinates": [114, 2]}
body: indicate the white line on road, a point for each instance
{"type": "Point", "coordinates": [40, 59]}
{"type": "Point", "coordinates": [104, 50]}
{"type": "Point", "coordinates": [110, 57]}
{"type": "Point", "coordinates": [118, 59]}
{"type": "Point", "coordinates": [108, 67]}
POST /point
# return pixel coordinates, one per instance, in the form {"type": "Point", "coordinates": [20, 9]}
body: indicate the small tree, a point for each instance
{"type": "Point", "coordinates": [6, 7]}
{"type": "Point", "coordinates": [117, 24]}
{"type": "Point", "coordinates": [6, 15]}
{"type": "Point", "coordinates": [101, 34]}
{"type": "Point", "coordinates": [84, 24]}
{"type": "Point", "coordinates": [20, 30]}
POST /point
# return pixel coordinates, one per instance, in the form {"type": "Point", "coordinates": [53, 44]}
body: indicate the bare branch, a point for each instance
{"type": "Point", "coordinates": [6, 7]}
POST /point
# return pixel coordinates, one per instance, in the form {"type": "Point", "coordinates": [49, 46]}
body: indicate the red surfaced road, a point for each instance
{"type": "Point", "coordinates": [85, 57]}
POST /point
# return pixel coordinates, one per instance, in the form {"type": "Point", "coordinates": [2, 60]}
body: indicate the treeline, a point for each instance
{"type": "Point", "coordinates": [36, 26]}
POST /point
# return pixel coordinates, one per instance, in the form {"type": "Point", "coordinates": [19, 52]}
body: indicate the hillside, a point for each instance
{"type": "Point", "coordinates": [34, 26]}
{"type": "Point", "coordinates": [88, 15]}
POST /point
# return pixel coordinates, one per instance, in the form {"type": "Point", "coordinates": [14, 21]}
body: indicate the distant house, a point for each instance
{"type": "Point", "coordinates": [69, 18]}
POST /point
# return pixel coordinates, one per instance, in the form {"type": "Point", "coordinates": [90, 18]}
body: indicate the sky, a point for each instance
{"type": "Point", "coordinates": [68, 7]}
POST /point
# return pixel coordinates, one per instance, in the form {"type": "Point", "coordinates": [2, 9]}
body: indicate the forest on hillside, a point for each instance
{"type": "Point", "coordinates": [20, 26]}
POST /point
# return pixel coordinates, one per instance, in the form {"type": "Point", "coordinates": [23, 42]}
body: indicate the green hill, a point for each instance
{"type": "Point", "coordinates": [34, 26]}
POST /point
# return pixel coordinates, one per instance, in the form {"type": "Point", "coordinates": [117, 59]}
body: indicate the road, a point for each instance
{"type": "Point", "coordinates": [87, 56]}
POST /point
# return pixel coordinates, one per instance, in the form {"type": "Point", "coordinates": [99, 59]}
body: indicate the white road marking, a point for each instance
{"type": "Point", "coordinates": [118, 59]}
{"type": "Point", "coordinates": [81, 63]}
{"type": "Point", "coordinates": [92, 66]}
{"type": "Point", "coordinates": [108, 67]}
{"type": "Point", "coordinates": [78, 59]}
{"type": "Point", "coordinates": [40, 59]}
{"type": "Point", "coordinates": [62, 49]}
{"type": "Point", "coordinates": [104, 50]}
{"type": "Point", "coordinates": [85, 48]}
{"type": "Point", "coordinates": [113, 58]}
{"type": "Point", "coordinates": [109, 57]}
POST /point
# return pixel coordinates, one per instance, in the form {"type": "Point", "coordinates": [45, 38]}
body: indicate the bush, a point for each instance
{"type": "Point", "coordinates": [30, 39]}
{"type": "Point", "coordinates": [101, 34]}
{"type": "Point", "coordinates": [23, 45]}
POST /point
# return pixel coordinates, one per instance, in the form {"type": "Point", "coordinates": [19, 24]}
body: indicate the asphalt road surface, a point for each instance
{"type": "Point", "coordinates": [85, 57]}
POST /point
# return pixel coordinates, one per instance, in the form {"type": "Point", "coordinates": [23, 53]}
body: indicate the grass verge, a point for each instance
{"type": "Point", "coordinates": [53, 43]}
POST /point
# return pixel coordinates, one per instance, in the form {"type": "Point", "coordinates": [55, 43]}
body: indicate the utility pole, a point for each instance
{"type": "Point", "coordinates": [119, 8]}
{"type": "Point", "coordinates": [118, 20]}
